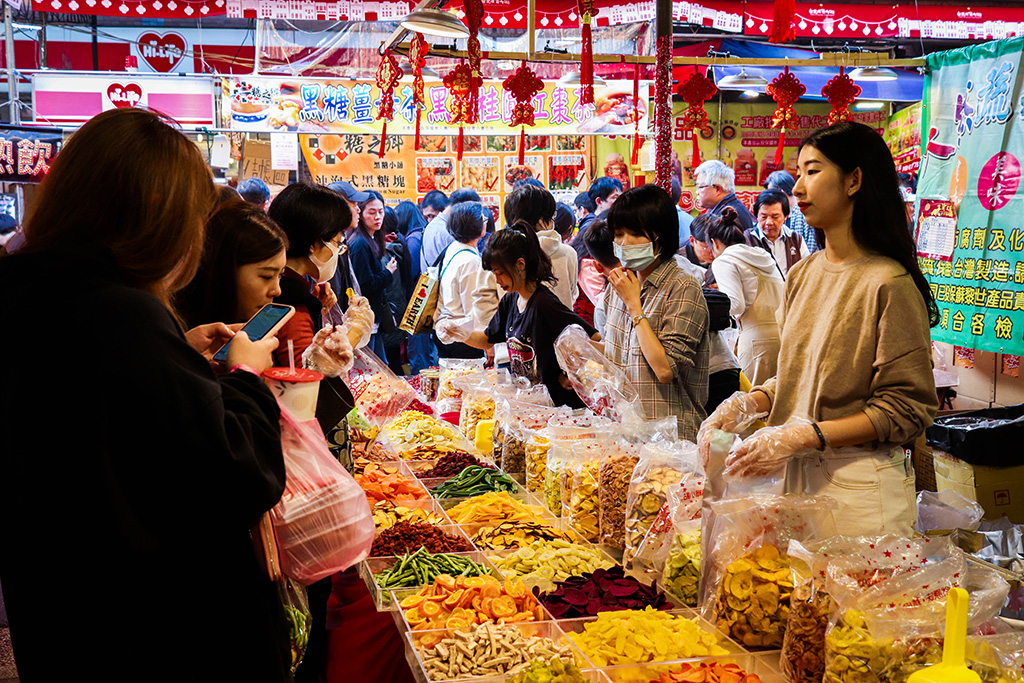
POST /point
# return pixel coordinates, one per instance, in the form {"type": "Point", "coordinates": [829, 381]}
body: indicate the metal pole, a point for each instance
{"type": "Point", "coordinates": [42, 41]}
{"type": "Point", "coordinates": [257, 42]}
{"type": "Point", "coordinates": [721, 110]}
{"type": "Point", "coordinates": [95, 45]}
{"type": "Point", "coordinates": [14, 110]}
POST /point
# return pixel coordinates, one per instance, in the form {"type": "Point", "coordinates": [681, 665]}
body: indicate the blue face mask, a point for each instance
{"type": "Point", "coordinates": [634, 256]}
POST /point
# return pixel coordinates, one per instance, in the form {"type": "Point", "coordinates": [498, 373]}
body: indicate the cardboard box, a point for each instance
{"type": "Point", "coordinates": [924, 465]}
{"type": "Point", "coordinates": [1000, 490]}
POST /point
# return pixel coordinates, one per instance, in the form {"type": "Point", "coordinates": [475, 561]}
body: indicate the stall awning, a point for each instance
{"type": "Point", "coordinates": [909, 87]}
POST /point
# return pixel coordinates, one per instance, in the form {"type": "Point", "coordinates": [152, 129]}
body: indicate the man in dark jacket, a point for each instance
{"type": "Point", "coordinates": [716, 189]}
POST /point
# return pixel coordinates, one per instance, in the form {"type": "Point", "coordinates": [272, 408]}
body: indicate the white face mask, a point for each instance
{"type": "Point", "coordinates": [634, 256]}
{"type": "Point", "coordinates": [326, 269]}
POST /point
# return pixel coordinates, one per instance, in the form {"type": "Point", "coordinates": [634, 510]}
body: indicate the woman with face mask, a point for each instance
{"type": "Point", "coordinates": [753, 281]}
{"type": "Point", "coordinates": [855, 373]}
{"type": "Point", "coordinates": [314, 219]}
{"type": "Point", "coordinates": [657, 320]}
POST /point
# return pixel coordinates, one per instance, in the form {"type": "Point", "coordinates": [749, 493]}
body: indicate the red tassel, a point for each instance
{"type": "Point", "coordinates": [635, 159]}
{"type": "Point", "coordinates": [418, 113]}
{"type": "Point", "coordinates": [778, 150]}
{"type": "Point", "coordinates": [461, 142]}
{"type": "Point", "coordinates": [783, 20]}
{"type": "Point", "coordinates": [586, 63]}
{"type": "Point", "coordinates": [696, 149]}
{"type": "Point", "coordinates": [383, 139]}
{"type": "Point", "coordinates": [522, 146]}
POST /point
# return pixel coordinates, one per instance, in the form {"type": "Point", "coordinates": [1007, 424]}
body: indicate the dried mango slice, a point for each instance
{"type": "Point", "coordinates": [768, 557]}
{"type": "Point", "coordinates": [742, 585]}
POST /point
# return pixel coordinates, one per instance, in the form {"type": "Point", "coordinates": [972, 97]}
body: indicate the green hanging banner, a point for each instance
{"type": "Point", "coordinates": [970, 220]}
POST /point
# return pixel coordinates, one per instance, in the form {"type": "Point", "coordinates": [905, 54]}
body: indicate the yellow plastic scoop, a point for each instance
{"type": "Point", "coordinates": [952, 669]}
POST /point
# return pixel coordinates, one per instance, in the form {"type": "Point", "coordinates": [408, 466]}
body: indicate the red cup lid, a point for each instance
{"type": "Point", "coordinates": [301, 375]}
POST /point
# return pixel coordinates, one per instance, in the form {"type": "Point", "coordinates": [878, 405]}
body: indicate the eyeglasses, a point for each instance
{"type": "Point", "coordinates": [704, 187]}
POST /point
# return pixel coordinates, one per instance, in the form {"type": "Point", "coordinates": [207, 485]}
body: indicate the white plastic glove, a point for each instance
{"type": "Point", "coordinates": [330, 353]}
{"type": "Point", "coordinates": [734, 415]}
{"type": "Point", "coordinates": [768, 449]}
{"type": "Point", "coordinates": [451, 330]}
{"type": "Point", "coordinates": [359, 318]}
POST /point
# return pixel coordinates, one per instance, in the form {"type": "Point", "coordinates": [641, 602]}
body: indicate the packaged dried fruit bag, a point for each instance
{"type": "Point", "coordinates": [616, 471]}
{"type": "Point", "coordinates": [522, 418]}
{"type": "Point", "coordinates": [477, 401]}
{"type": "Point", "coordinates": [538, 444]}
{"type": "Point", "coordinates": [449, 396]}
{"type": "Point", "coordinates": [564, 431]}
{"type": "Point", "coordinates": [747, 582]}
{"type": "Point", "coordinates": [522, 393]}
{"type": "Point", "coordinates": [671, 549]}
{"type": "Point", "coordinates": [380, 394]}
{"type": "Point", "coordinates": [661, 466]}
{"type": "Point", "coordinates": [997, 658]}
{"type": "Point", "coordinates": [890, 604]}
{"type": "Point", "coordinates": [581, 499]}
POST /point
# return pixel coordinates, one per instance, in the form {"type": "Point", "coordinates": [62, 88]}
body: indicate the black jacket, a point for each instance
{"type": "Point", "coordinates": [129, 479]}
{"type": "Point", "coordinates": [577, 242]}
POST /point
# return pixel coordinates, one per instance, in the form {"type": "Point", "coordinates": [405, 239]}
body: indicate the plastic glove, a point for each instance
{"type": "Point", "coordinates": [451, 330]}
{"type": "Point", "coordinates": [330, 353]}
{"type": "Point", "coordinates": [359, 318]}
{"type": "Point", "coordinates": [734, 415]}
{"type": "Point", "coordinates": [768, 449]}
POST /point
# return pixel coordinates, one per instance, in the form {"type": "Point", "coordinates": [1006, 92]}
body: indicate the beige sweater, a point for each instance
{"type": "Point", "coordinates": [855, 337]}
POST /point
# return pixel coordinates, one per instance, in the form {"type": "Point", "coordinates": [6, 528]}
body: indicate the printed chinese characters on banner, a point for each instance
{"type": "Point", "coordinates": [26, 155]}
{"type": "Point", "coordinates": [261, 104]}
{"type": "Point", "coordinates": [970, 179]}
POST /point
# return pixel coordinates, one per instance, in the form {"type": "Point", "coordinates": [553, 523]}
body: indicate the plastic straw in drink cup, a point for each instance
{"type": "Point", "coordinates": [291, 356]}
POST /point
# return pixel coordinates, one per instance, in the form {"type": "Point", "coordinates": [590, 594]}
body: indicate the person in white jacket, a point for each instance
{"type": "Point", "coordinates": [755, 288]}
{"type": "Point", "coordinates": [468, 293]}
{"type": "Point", "coordinates": [536, 206]}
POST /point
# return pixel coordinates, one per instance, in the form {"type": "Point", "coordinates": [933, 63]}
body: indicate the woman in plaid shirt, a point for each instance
{"type": "Point", "coordinates": [657, 325]}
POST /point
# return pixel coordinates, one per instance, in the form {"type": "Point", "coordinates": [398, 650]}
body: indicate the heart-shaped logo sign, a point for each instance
{"type": "Point", "coordinates": [122, 96]}
{"type": "Point", "coordinates": [162, 52]}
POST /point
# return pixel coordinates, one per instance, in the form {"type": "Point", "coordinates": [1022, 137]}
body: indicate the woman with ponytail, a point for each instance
{"type": "Point", "coordinates": [530, 317]}
{"type": "Point", "coordinates": [855, 378]}
{"type": "Point", "coordinates": [755, 288]}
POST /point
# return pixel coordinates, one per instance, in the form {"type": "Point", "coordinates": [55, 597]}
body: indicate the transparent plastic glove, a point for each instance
{"type": "Point", "coordinates": [330, 353]}
{"type": "Point", "coordinates": [768, 449]}
{"type": "Point", "coordinates": [359, 318]}
{"type": "Point", "coordinates": [734, 415]}
{"type": "Point", "coordinates": [451, 330]}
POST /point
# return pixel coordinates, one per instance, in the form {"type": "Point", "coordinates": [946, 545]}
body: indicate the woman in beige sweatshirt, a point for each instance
{"type": "Point", "coordinates": [854, 380]}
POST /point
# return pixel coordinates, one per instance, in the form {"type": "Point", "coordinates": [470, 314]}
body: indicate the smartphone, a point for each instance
{"type": "Point", "coordinates": [267, 321]}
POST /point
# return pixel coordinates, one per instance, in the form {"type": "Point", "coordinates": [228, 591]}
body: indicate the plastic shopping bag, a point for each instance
{"type": "Point", "coordinates": [380, 394]}
{"type": "Point", "coordinates": [946, 510]}
{"type": "Point", "coordinates": [602, 386]}
{"type": "Point", "coordinates": [323, 522]}
{"type": "Point", "coordinates": [297, 614]}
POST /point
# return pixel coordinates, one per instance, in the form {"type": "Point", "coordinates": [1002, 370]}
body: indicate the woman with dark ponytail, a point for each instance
{"type": "Point", "coordinates": [855, 378]}
{"type": "Point", "coordinates": [755, 288]}
{"type": "Point", "coordinates": [529, 318]}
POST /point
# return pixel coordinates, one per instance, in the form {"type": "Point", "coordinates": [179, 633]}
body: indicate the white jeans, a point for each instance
{"type": "Point", "coordinates": [874, 488]}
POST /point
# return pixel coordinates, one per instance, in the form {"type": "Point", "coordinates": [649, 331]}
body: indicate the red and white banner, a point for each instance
{"type": "Point", "coordinates": [833, 20]}
{"type": "Point", "coordinates": [963, 23]}
{"type": "Point", "coordinates": [73, 98]}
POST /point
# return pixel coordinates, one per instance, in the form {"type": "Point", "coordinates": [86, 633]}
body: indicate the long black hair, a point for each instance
{"type": "Point", "coordinates": [519, 241]}
{"type": "Point", "coordinates": [377, 239]}
{"type": "Point", "coordinates": [879, 215]}
{"type": "Point", "coordinates": [309, 214]}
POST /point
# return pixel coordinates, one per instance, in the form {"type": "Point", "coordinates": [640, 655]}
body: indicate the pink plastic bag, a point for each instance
{"type": "Point", "coordinates": [323, 522]}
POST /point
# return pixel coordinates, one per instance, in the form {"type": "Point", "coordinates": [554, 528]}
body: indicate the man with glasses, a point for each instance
{"type": "Point", "coordinates": [716, 185]}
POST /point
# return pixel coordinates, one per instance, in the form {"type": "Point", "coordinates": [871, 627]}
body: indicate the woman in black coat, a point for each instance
{"type": "Point", "coordinates": [130, 473]}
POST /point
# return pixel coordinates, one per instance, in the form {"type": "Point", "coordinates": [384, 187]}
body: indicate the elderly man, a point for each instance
{"type": "Point", "coordinates": [771, 233]}
{"type": "Point", "coordinates": [716, 189]}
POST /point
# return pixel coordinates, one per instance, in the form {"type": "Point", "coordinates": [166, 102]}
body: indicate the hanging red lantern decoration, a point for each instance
{"type": "Point", "coordinates": [523, 84]}
{"type": "Point", "coordinates": [696, 90]}
{"type": "Point", "coordinates": [461, 82]}
{"type": "Point", "coordinates": [474, 15]}
{"type": "Point", "coordinates": [388, 75]}
{"type": "Point", "coordinates": [663, 112]}
{"type": "Point", "coordinates": [783, 21]}
{"type": "Point", "coordinates": [587, 13]}
{"type": "Point", "coordinates": [418, 58]}
{"type": "Point", "coordinates": [840, 92]}
{"type": "Point", "coordinates": [785, 90]}
{"type": "Point", "coordinates": [635, 156]}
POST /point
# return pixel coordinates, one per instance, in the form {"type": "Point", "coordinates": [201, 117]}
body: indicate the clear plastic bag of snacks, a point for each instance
{"type": "Point", "coordinates": [746, 582]}
{"type": "Point", "coordinates": [520, 420]}
{"type": "Point", "coordinates": [538, 444]}
{"type": "Point", "coordinates": [671, 550]}
{"type": "Point", "coordinates": [602, 386]}
{"type": "Point", "coordinates": [564, 431]}
{"type": "Point", "coordinates": [616, 472]}
{"type": "Point", "coordinates": [449, 396]}
{"type": "Point", "coordinates": [478, 392]}
{"type": "Point", "coordinates": [380, 394]}
{"type": "Point", "coordinates": [522, 392]}
{"type": "Point", "coordinates": [661, 466]}
{"type": "Point", "coordinates": [890, 605]}
{"type": "Point", "coordinates": [581, 497]}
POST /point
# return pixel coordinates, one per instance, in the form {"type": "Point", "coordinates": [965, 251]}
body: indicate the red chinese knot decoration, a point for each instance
{"type": "Point", "coordinates": [697, 89]}
{"type": "Point", "coordinates": [523, 84]}
{"type": "Point", "coordinates": [840, 92]}
{"type": "Point", "coordinates": [461, 82]}
{"type": "Point", "coordinates": [474, 15]}
{"type": "Point", "coordinates": [388, 75]}
{"type": "Point", "coordinates": [785, 90]}
{"type": "Point", "coordinates": [587, 13]}
{"type": "Point", "coordinates": [418, 58]}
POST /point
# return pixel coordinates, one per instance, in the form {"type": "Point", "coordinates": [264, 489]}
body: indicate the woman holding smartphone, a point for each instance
{"type": "Point", "coordinates": [855, 376]}
{"type": "Point", "coordinates": [171, 466]}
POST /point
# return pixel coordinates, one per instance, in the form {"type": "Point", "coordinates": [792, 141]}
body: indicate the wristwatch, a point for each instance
{"type": "Point", "coordinates": [638, 318]}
